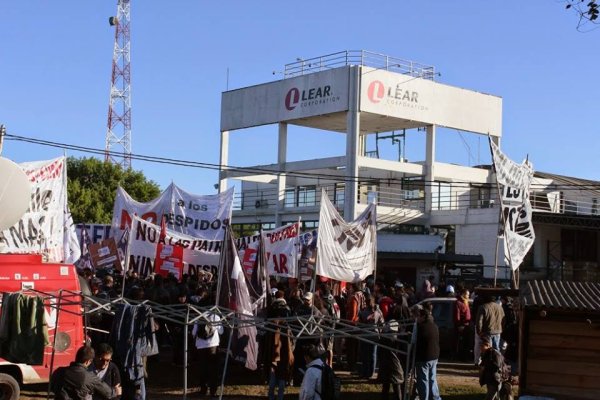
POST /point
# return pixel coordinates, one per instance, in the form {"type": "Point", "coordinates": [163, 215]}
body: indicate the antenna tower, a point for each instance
{"type": "Point", "coordinates": [118, 135]}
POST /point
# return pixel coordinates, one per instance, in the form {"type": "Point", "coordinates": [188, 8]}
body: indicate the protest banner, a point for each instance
{"type": "Point", "coordinates": [347, 251]}
{"type": "Point", "coordinates": [45, 228]}
{"type": "Point", "coordinates": [199, 216]}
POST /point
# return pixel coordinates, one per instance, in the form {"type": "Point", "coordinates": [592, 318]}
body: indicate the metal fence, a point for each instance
{"type": "Point", "coordinates": [358, 57]}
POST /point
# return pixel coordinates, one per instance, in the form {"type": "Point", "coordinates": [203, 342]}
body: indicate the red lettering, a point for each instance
{"type": "Point", "coordinates": [283, 263]}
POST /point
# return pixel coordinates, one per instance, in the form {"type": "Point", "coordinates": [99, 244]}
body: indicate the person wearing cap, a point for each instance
{"type": "Point", "coordinates": [450, 291]}
{"type": "Point", "coordinates": [305, 310]}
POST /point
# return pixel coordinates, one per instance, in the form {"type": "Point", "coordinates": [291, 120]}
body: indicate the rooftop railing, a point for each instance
{"type": "Point", "coordinates": [358, 57]}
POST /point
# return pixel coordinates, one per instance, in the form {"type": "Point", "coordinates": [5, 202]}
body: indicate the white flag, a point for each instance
{"type": "Point", "coordinates": [346, 251]}
{"type": "Point", "coordinates": [518, 231]}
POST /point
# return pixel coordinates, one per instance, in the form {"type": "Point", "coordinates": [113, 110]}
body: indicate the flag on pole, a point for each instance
{"type": "Point", "coordinates": [85, 261]}
{"type": "Point", "coordinates": [517, 227]}
{"type": "Point", "coordinates": [259, 282]}
{"type": "Point", "coordinates": [169, 258]}
{"type": "Point", "coordinates": [347, 251]}
{"type": "Point", "coordinates": [233, 293]}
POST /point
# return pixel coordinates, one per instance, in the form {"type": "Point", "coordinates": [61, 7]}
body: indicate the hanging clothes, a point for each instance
{"type": "Point", "coordinates": [132, 338]}
{"type": "Point", "coordinates": [23, 329]}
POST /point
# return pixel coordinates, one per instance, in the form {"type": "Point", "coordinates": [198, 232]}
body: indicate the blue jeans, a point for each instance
{"type": "Point", "coordinates": [496, 342]}
{"type": "Point", "coordinates": [280, 383]}
{"type": "Point", "coordinates": [426, 380]}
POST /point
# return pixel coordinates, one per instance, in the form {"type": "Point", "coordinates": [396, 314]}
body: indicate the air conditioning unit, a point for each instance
{"type": "Point", "coordinates": [262, 203]}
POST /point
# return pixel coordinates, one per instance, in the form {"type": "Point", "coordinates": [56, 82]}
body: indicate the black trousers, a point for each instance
{"type": "Point", "coordinates": [208, 369]}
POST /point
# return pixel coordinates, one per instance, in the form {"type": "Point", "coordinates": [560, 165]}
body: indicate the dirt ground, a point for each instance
{"type": "Point", "coordinates": [456, 381]}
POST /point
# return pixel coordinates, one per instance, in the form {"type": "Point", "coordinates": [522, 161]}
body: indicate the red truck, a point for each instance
{"type": "Point", "coordinates": [56, 283]}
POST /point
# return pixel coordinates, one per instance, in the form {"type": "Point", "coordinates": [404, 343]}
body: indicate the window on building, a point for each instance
{"type": "Point", "coordinates": [289, 199]}
{"type": "Point", "coordinates": [480, 196]}
{"type": "Point", "coordinates": [441, 196]}
{"type": "Point", "coordinates": [307, 196]}
{"type": "Point", "coordinates": [339, 194]}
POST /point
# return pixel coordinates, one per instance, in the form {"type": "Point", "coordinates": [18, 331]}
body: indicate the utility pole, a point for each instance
{"type": "Point", "coordinates": [118, 135]}
{"type": "Point", "coordinates": [2, 134]}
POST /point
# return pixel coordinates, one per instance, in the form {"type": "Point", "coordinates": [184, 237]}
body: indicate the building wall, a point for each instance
{"type": "Point", "coordinates": [479, 239]}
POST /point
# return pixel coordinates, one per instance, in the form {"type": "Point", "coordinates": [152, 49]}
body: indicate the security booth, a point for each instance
{"type": "Point", "coordinates": [560, 340]}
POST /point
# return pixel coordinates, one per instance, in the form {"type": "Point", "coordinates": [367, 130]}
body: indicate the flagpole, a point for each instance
{"type": "Point", "coordinates": [503, 221]}
{"type": "Point", "coordinates": [500, 215]}
{"type": "Point", "coordinates": [127, 251]}
{"type": "Point", "coordinates": [297, 249]}
{"type": "Point", "coordinates": [220, 278]}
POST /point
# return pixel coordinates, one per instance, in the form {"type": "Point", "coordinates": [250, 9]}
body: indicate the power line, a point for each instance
{"type": "Point", "coordinates": [255, 170]}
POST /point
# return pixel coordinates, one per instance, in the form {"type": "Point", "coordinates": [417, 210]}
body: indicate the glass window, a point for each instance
{"type": "Point", "coordinates": [307, 196]}
{"type": "Point", "coordinates": [289, 198]}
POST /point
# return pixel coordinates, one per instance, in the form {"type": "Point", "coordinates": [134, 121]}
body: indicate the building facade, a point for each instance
{"type": "Point", "coordinates": [371, 97]}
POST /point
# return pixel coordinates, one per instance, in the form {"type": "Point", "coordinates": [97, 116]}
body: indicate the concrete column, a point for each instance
{"type": "Point", "coordinates": [281, 177]}
{"type": "Point", "coordinates": [352, 144]}
{"type": "Point", "coordinates": [429, 167]}
{"type": "Point", "coordinates": [223, 161]}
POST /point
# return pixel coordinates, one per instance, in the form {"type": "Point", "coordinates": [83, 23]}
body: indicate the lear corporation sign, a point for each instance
{"type": "Point", "coordinates": [304, 96]}
{"type": "Point", "coordinates": [416, 99]}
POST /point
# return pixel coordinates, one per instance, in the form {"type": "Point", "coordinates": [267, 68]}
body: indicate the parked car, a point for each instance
{"type": "Point", "coordinates": [443, 310]}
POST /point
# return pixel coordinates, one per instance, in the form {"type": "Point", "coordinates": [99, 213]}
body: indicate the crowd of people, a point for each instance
{"type": "Point", "coordinates": [293, 356]}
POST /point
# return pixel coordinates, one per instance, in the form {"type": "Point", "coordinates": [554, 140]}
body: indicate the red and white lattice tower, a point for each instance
{"type": "Point", "coordinates": [118, 135]}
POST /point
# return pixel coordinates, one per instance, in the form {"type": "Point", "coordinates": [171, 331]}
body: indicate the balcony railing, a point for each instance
{"type": "Point", "coordinates": [446, 197]}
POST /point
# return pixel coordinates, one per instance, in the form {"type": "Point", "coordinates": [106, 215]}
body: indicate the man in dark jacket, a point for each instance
{"type": "Point", "coordinates": [105, 369]}
{"type": "Point", "coordinates": [427, 354]}
{"type": "Point", "coordinates": [490, 320]}
{"type": "Point", "coordinates": [75, 382]}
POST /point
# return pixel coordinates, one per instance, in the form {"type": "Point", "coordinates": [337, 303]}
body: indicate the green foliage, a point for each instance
{"type": "Point", "coordinates": [92, 186]}
{"type": "Point", "coordinates": [587, 10]}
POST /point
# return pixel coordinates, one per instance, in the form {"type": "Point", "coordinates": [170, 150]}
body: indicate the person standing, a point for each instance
{"type": "Point", "coordinates": [489, 321]}
{"type": "Point", "coordinates": [371, 319]}
{"type": "Point", "coordinates": [391, 372]}
{"type": "Point", "coordinates": [75, 382]}
{"type": "Point", "coordinates": [427, 354]}
{"type": "Point", "coordinates": [105, 369]}
{"type": "Point", "coordinates": [462, 320]}
{"type": "Point", "coordinates": [207, 333]}
{"type": "Point", "coordinates": [311, 383]}
{"type": "Point", "coordinates": [279, 352]}
{"type": "Point", "coordinates": [306, 310]}
{"type": "Point", "coordinates": [491, 370]}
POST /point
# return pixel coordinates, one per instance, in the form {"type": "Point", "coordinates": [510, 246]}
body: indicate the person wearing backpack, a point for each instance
{"type": "Point", "coordinates": [493, 372]}
{"type": "Point", "coordinates": [206, 333]}
{"type": "Point", "coordinates": [320, 382]}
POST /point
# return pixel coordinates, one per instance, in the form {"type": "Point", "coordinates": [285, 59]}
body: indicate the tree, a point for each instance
{"type": "Point", "coordinates": [92, 186]}
{"type": "Point", "coordinates": [587, 10]}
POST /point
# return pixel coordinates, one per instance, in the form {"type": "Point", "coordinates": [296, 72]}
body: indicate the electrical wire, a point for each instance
{"type": "Point", "coordinates": [258, 170]}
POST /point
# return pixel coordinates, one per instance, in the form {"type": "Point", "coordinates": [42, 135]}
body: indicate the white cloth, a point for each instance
{"type": "Point", "coordinates": [311, 384]}
{"type": "Point", "coordinates": [212, 341]}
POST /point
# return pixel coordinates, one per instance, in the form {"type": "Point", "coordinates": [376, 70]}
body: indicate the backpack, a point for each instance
{"type": "Point", "coordinates": [205, 330]}
{"type": "Point", "coordinates": [331, 385]}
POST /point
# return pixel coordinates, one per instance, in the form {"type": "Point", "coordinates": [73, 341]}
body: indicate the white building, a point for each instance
{"type": "Point", "coordinates": [371, 97]}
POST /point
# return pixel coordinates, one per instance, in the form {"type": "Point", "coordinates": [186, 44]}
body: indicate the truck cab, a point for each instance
{"type": "Point", "coordinates": [58, 285]}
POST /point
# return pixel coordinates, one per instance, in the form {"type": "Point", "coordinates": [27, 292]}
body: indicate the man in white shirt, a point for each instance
{"type": "Point", "coordinates": [311, 384]}
{"type": "Point", "coordinates": [207, 343]}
